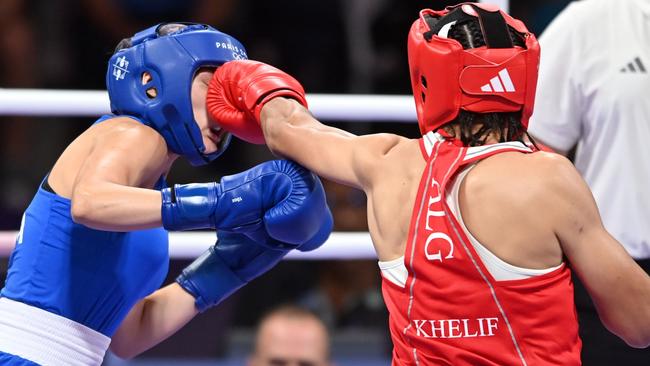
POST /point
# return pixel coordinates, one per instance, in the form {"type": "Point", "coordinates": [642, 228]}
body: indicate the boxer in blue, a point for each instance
{"type": "Point", "coordinates": [91, 253]}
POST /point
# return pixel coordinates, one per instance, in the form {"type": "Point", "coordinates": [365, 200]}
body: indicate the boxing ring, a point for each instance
{"type": "Point", "coordinates": [189, 245]}
{"type": "Point", "coordinates": [186, 245]}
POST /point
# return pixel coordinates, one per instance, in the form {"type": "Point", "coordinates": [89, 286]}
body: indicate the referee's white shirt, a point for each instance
{"type": "Point", "coordinates": [594, 91]}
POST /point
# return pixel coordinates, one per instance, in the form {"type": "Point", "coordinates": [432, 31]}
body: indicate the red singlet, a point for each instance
{"type": "Point", "coordinates": [451, 311]}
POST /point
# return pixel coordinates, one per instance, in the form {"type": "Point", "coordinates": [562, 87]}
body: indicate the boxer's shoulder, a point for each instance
{"type": "Point", "coordinates": [126, 137]}
{"type": "Point", "coordinates": [520, 167]}
{"type": "Point", "coordinates": [111, 147]}
{"type": "Point", "coordinates": [392, 159]}
{"type": "Point", "coordinates": [391, 151]}
{"type": "Point", "coordinates": [528, 179]}
{"type": "Point", "coordinates": [124, 127]}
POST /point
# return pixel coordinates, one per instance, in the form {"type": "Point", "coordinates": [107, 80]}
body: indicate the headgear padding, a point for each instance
{"type": "Point", "coordinates": [495, 77]}
{"type": "Point", "coordinates": [172, 60]}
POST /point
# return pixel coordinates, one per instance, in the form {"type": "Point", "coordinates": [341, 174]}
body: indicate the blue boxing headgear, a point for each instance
{"type": "Point", "coordinates": [172, 61]}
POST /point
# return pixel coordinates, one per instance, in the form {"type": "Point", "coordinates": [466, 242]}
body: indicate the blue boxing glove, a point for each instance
{"type": "Point", "coordinates": [226, 266]}
{"type": "Point", "coordinates": [239, 201]}
{"type": "Point", "coordinates": [302, 219]}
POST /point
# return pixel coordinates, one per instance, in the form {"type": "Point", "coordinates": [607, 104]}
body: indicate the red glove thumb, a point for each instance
{"type": "Point", "coordinates": [238, 91]}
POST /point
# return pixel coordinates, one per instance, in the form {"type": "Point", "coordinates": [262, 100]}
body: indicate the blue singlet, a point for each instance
{"type": "Point", "coordinates": [90, 276]}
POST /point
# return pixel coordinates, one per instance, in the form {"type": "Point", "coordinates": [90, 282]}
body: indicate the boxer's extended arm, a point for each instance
{"type": "Point", "coordinates": [619, 288]}
{"type": "Point", "coordinates": [291, 131]}
{"type": "Point", "coordinates": [250, 99]}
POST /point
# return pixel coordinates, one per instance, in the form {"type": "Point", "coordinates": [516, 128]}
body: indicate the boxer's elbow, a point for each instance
{"type": "Point", "coordinates": [121, 353]}
{"type": "Point", "coordinates": [643, 342]}
{"type": "Point", "coordinates": [123, 350]}
{"type": "Point", "coordinates": [83, 207]}
{"type": "Point", "coordinates": [633, 327]}
{"type": "Point", "coordinates": [637, 338]}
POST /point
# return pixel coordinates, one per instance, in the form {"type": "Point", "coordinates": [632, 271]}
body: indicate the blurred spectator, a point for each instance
{"type": "Point", "coordinates": [291, 336]}
{"type": "Point", "coordinates": [592, 91]}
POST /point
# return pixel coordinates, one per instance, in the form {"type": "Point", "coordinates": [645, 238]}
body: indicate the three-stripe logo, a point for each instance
{"type": "Point", "coordinates": [500, 83]}
{"type": "Point", "coordinates": [634, 66]}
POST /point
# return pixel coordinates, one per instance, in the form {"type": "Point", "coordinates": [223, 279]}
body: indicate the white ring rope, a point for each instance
{"type": "Point", "coordinates": [189, 245]}
{"type": "Point", "coordinates": [328, 107]}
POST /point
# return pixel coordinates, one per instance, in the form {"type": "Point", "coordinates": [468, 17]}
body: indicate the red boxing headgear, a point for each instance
{"type": "Point", "coordinates": [496, 77]}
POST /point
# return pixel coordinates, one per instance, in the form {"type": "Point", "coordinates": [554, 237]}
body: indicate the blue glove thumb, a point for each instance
{"type": "Point", "coordinates": [321, 236]}
{"type": "Point", "coordinates": [225, 267]}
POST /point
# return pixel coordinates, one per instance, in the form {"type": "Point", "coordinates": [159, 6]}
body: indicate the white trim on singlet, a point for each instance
{"type": "Point", "coordinates": [475, 151]}
{"type": "Point", "coordinates": [394, 271]}
{"type": "Point", "coordinates": [430, 139]}
{"type": "Point", "coordinates": [498, 268]}
{"type": "Point", "coordinates": [46, 338]}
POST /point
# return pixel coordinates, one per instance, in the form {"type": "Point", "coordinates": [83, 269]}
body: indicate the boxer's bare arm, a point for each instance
{"type": "Point", "coordinates": [292, 132]}
{"type": "Point", "coordinates": [121, 155]}
{"type": "Point", "coordinates": [619, 288]}
{"type": "Point", "coordinates": [152, 320]}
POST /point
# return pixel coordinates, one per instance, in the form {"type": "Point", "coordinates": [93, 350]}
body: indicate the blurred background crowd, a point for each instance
{"type": "Point", "coordinates": [353, 46]}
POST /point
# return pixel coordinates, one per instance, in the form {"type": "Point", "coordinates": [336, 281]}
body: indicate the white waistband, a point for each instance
{"type": "Point", "coordinates": [46, 338]}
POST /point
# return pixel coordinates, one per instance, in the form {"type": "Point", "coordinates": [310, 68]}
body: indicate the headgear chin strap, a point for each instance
{"type": "Point", "coordinates": [172, 61]}
{"type": "Point", "coordinates": [446, 78]}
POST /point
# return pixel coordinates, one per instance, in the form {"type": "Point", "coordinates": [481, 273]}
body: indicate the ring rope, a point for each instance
{"type": "Point", "coordinates": [329, 107]}
{"type": "Point", "coordinates": [189, 245]}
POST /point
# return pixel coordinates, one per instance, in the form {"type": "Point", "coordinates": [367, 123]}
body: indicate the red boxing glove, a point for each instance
{"type": "Point", "coordinates": [238, 91]}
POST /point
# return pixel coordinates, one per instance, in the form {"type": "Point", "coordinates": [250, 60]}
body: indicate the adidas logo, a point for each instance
{"type": "Point", "coordinates": [500, 83]}
{"type": "Point", "coordinates": [635, 66]}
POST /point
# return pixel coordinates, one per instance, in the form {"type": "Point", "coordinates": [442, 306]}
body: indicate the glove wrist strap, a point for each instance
{"type": "Point", "coordinates": [189, 206]}
{"type": "Point", "coordinates": [209, 280]}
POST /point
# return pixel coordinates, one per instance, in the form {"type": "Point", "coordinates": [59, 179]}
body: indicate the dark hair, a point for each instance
{"type": "Point", "coordinates": [505, 125]}
{"type": "Point", "coordinates": [476, 127]}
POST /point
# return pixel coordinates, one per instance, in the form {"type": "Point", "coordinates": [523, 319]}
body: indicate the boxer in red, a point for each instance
{"type": "Point", "coordinates": [476, 229]}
